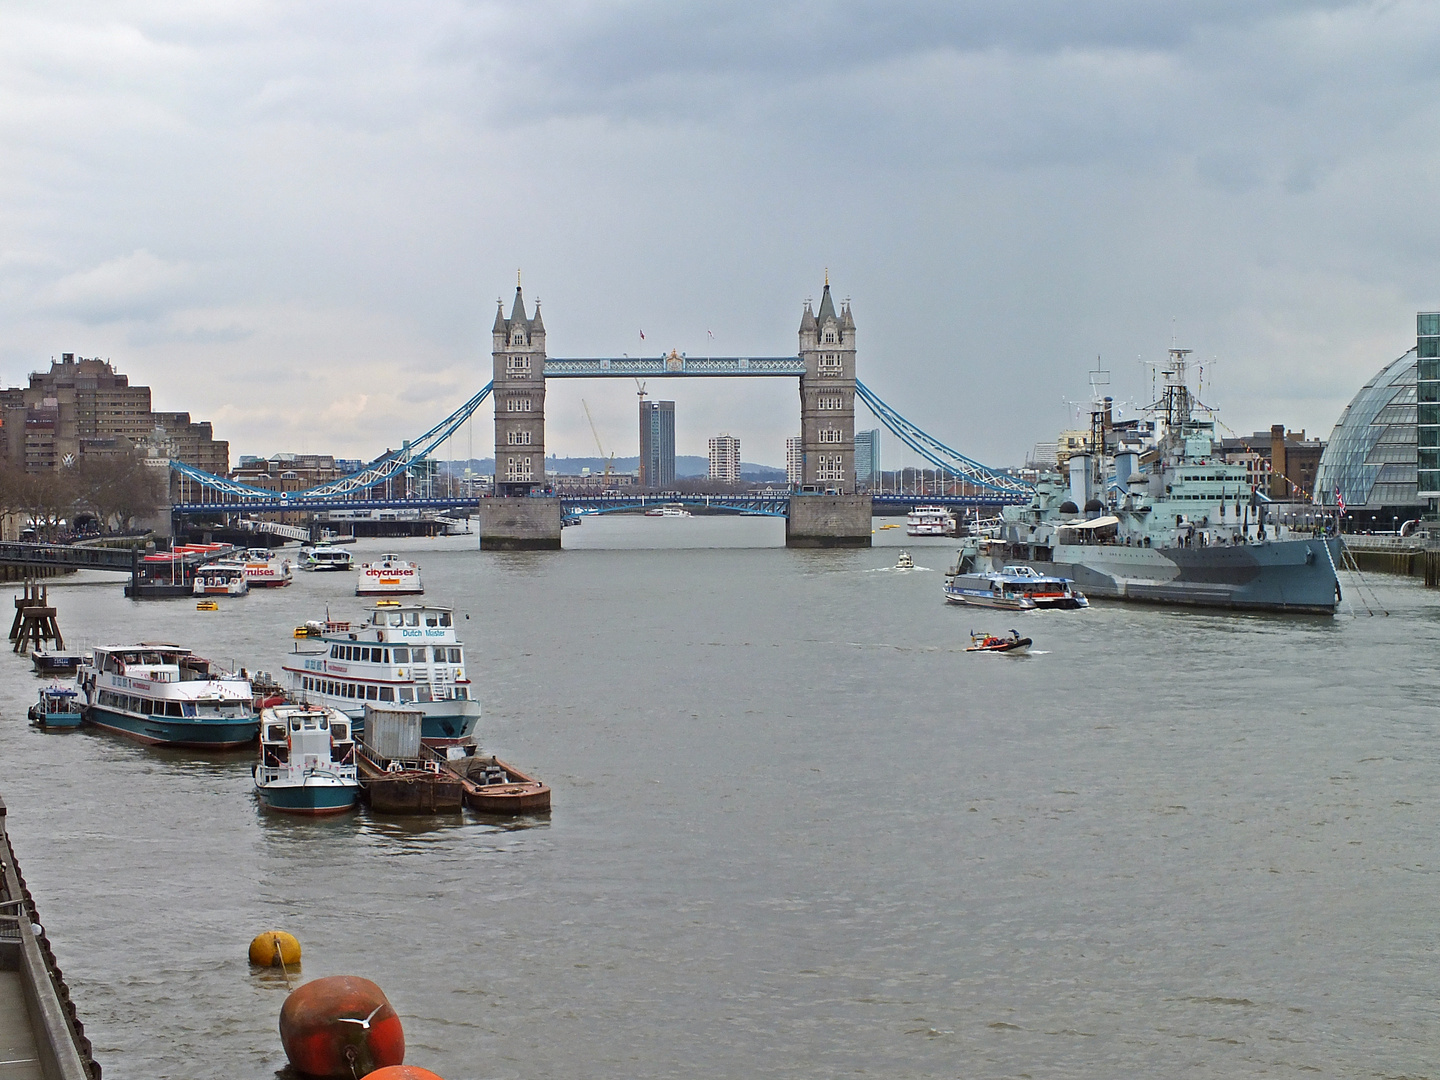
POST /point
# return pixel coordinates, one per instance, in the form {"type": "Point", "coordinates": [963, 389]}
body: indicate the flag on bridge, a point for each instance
{"type": "Point", "coordinates": [642, 335]}
{"type": "Point", "coordinates": [1339, 500]}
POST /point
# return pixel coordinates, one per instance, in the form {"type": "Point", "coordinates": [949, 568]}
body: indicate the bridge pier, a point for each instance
{"type": "Point", "coordinates": [519, 524]}
{"type": "Point", "coordinates": [828, 521]}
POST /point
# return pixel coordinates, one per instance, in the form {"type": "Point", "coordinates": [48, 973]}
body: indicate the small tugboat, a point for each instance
{"type": "Point", "coordinates": [389, 575]}
{"type": "Point", "coordinates": [307, 760]}
{"type": "Point", "coordinates": [493, 787]}
{"type": "Point", "coordinates": [398, 774]}
{"type": "Point", "coordinates": [54, 661]}
{"type": "Point", "coordinates": [904, 562]}
{"type": "Point", "coordinates": [991, 643]}
{"type": "Point", "coordinates": [58, 707]}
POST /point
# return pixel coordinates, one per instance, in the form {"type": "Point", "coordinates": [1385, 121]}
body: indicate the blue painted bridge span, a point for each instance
{"type": "Point", "coordinates": [769, 504]}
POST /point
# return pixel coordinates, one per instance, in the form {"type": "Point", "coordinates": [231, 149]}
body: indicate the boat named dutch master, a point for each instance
{"type": "Point", "coordinates": [1158, 515]}
{"type": "Point", "coordinates": [406, 654]}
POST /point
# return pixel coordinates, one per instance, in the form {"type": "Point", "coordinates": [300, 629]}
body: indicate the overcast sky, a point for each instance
{"type": "Point", "coordinates": [294, 219]}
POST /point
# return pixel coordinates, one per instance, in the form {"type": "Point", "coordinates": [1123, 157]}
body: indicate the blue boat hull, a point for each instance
{"type": "Point", "coordinates": [309, 798]}
{"type": "Point", "coordinates": [57, 720]}
{"type": "Point", "coordinates": [170, 731]}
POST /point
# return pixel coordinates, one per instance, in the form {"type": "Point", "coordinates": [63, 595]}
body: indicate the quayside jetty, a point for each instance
{"type": "Point", "coordinates": [41, 1038]}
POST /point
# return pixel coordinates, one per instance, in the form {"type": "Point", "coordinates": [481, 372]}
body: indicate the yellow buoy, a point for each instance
{"type": "Point", "coordinates": [273, 948]}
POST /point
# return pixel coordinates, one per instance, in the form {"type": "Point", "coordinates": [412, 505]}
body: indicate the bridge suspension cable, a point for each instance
{"type": "Point", "coordinates": [385, 467]}
{"type": "Point", "coordinates": [950, 461]}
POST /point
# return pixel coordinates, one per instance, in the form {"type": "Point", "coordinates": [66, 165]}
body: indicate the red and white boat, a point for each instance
{"type": "Point", "coordinates": [266, 570]}
{"type": "Point", "coordinates": [389, 575]}
{"type": "Point", "coordinates": [930, 521]}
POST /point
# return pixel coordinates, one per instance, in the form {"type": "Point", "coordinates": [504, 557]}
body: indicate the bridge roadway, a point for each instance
{"type": "Point", "coordinates": [769, 503]}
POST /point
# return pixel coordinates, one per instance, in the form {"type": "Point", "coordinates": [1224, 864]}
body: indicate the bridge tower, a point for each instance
{"type": "Point", "coordinates": [518, 353]}
{"type": "Point", "coordinates": [513, 520]}
{"type": "Point", "coordinates": [826, 512]}
{"type": "Point", "coordinates": [827, 397]}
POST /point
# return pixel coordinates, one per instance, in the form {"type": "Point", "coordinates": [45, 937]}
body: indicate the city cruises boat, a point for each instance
{"type": "Point", "coordinates": [904, 562]}
{"type": "Point", "coordinates": [406, 655]}
{"type": "Point", "coordinates": [307, 760]}
{"type": "Point", "coordinates": [389, 575]}
{"type": "Point", "coordinates": [221, 579]}
{"type": "Point", "coordinates": [998, 643]}
{"type": "Point", "coordinates": [1158, 515]}
{"type": "Point", "coordinates": [58, 707]}
{"type": "Point", "coordinates": [164, 695]}
{"type": "Point", "coordinates": [265, 569]}
{"type": "Point", "coordinates": [54, 661]}
{"type": "Point", "coordinates": [668, 512]}
{"type": "Point", "coordinates": [493, 787]}
{"type": "Point", "coordinates": [990, 590]}
{"type": "Point", "coordinates": [930, 521]}
{"type": "Point", "coordinates": [324, 557]}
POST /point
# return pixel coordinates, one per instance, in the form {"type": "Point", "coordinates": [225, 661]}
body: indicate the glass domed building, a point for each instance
{"type": "Point", "coordinates": [1371, 453]}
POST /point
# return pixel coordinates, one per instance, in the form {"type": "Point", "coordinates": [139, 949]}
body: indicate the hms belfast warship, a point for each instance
{"type": "Point", "coordinates": [1156, 514]}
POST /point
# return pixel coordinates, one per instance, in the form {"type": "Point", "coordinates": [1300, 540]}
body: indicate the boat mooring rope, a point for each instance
{"type": "Point", "coordinates": [1348, 559]}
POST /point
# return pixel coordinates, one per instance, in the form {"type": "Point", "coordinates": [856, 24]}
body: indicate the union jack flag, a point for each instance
{"type": "Point", "coordinates": [1339, 500]}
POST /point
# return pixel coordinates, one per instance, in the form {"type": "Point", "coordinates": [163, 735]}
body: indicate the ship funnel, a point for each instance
{"type": "Point", "coordinates": [1080, 479]}
{"type": "Point", "coordinates": [1125, 463]}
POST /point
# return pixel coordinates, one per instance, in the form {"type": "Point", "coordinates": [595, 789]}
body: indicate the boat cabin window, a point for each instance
{"type": "Point", "coordinates": [294, 723]}
{"type": "Point", "coordinates": [402, 656]}
{"type": "Point", "coordinates": [455, 656]}
{"type": "Point", "coordinates": [395, 618]}
{"type": "Point", "coordinates": [407, 693]}
{"type": "Point", "coordinates": [445, 618]}
{"type": "Point", "coordinates": [412, 618]}
{"type": "Point", "coordinates": [432, 619]}
{"type": "Point", "coordinates": [274, 732]}
{"type": "Point", "coordinates": [387, 694]}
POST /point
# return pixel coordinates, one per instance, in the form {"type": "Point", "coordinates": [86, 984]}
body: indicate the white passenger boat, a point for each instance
{"type": "Point", "coordinates": [989, 590]}
{"type": "Point", "coordinates": [221, 579]}
{"type": "Point", "coordinates": [162, 694]}
{"type": "Point", "coordinates": [266, 569]}
{"type": "Point", "coordinates": [904, 562]}
{"type": "Point", "coordinates": [324, 557]}
{"type": "Point", "coordinates": [668, 511]}
{"type": "Point", "coordinates": [389, 575]}
{"type": "Point", "coordinates": [307, 760]}
{"type": "Point", "coordinates": [930, 521]}
{"type": "Point", "coordinates": [406, 653]}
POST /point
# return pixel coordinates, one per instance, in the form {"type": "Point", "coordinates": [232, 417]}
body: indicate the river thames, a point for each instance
{"type": "Point", "coordinates": [797, 831]}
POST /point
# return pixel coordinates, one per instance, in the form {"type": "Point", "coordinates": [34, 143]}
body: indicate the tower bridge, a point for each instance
{"type": "Point", "coordinates": [825, 511]}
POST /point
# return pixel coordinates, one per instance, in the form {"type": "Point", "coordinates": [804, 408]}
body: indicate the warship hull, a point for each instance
{"type": "Point", "coordinates": [1281, 575]}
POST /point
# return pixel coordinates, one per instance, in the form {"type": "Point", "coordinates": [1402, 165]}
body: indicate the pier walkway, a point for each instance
{"type": "Point", "coordinates": [40, 1036]}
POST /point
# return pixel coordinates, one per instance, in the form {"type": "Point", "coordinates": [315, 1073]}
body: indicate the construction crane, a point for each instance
{"type": "Point", "coordinates": [609, 461]}
{"type": "Point", "coordinates": [641, 392]}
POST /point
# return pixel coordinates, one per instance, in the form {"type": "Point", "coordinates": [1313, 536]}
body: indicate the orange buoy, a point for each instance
{"type": "Point", "coordinates": [340, 1026]}
{"type": "Point", "coordinates": [403, 1072]}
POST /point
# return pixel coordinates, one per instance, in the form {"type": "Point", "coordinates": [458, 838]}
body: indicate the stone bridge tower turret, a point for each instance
{"type": "Point", "coordinates": [827, 397]}
{"type": "Point", "coordinates": [518, 353]}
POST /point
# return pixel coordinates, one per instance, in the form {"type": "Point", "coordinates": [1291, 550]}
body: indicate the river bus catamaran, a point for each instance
{"type": "Point", "coordinates": [406, 654]}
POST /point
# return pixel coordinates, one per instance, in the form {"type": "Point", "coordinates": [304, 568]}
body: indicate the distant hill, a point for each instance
{"type": "Point", "coordinates": [686, 465]}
